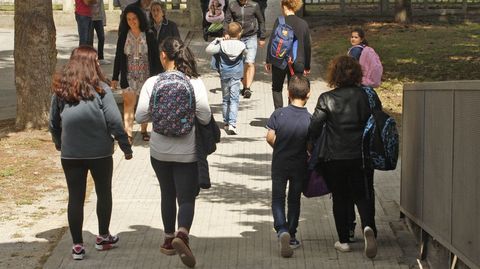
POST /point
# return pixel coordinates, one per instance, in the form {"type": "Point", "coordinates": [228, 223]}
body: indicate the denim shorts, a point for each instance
{"type": "Point", "coordinates": [251, 48]}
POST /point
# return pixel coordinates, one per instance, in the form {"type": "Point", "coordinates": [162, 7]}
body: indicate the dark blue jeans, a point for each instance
{"type": "Point", "coordinates": [84, 26]}
{"type": "Point", "coordinates": [98, 27]}
{"type": "Point", "coordinates": [279, 187]}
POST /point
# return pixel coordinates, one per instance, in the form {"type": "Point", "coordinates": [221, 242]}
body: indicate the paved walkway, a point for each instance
{"type": "Point", "coordinates": [233, 223]}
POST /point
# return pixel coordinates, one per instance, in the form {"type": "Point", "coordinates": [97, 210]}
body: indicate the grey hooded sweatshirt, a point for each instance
{"type": "Point", "coordinates": [230, 54]}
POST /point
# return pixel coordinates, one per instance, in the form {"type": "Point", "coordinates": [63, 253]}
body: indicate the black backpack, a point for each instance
{"type": "Point", "coordinates": [380, 141]}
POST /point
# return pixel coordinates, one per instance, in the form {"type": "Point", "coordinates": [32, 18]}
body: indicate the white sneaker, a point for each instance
{"type": "Point", "coordinates": [370, 243]}
{"type": "Point", "coordinates": [104, 62]}
{"type": "Point", "coordinates": [232, 130]}
{"type": "Point", "coordinates": [342, 247]}
{"type": "Point", "coordinates": [285, 250]}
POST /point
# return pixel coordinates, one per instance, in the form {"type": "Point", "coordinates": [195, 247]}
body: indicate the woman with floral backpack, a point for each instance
{"type": "Point", "coordinates": [172, 146]}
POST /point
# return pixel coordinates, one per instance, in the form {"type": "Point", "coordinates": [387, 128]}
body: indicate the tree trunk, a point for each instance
{"type": "Point", "coordinates": [403, 11]}
{"type": "Point", "coordinates": [35, 57]}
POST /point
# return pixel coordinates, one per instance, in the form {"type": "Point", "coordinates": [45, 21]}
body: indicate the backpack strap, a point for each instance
{"type": "Point", "coordinates": [370, 96]}
{"type": "Point", "coordinates": [281, 20]}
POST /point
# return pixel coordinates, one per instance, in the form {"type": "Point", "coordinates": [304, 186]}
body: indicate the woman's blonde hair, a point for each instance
{"type": "Point", "coordinates": [294, 5]}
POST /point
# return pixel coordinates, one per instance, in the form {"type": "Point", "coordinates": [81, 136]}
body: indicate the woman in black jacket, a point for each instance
{"type": "Point", "coordinates": [161, 26]}
{"type": "Point", "coordinates": [136, 59]}
{"type": "Point", "coordinates": [342, 114]}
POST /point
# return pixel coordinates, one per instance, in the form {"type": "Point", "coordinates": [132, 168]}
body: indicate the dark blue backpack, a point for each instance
{"type": "Point", "coordinates": [380, 137]}
{"type": "Point", "coordinates": [284, 45]}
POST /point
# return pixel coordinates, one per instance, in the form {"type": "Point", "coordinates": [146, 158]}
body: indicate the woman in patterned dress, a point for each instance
{"type": "Point", "coordinates": [136, 59]}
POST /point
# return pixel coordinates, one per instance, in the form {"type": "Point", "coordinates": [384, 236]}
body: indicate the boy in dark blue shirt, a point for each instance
{"type": "Point", "coordinates": [287, 134]}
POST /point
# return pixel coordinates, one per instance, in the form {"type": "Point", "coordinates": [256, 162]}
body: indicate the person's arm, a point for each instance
{"type": "Point", "coordinates": [55, 122]}
{"type": "Point", "coordinates": [261, 24]}
{"type": "Point", "coordinates": [318, 118]}
{"type": "Point", "coordinates": [142, 115]}
{"type": "Point", "coordinates": [355, 52]}
{"type": "Point", "coordinates": [227, 19]}
{"type": "Point", "coordinates": [175, 31]}
{"type": "Point", "coordinates": [214, 46]}
{"type": "Point", "coordinates": [119, 57]}
{"type": "Point", "coordinates": [202, 108]}
{"type": "Point", "coordinates": [114, 122]}
{"type": "Point", "coordinates": [308, 49]}
{"type": "Point", "coordinates": [271, 137]}
{"type": "Point", "coordinates": [153, 53]}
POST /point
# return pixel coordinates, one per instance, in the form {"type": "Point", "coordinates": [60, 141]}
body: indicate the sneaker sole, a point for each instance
{"type": "Point", "coordinates": [104, 247]}
{"type": "Point", "coordinates": [78, 257]}
{"type": "Point", "coordinates": [295, 246]}
{"type": "Point", "coordinates": [370, 244]}
{"type": "Point", "coordinates": [184, 252]}
{"type": "Point", "coordinates": [168, 252]}
{"type": "Point", "coordinates": [285, 250]}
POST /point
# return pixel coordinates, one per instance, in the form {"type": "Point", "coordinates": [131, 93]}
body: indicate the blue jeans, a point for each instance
{"type": "Point", "coordinates": [279, 186]}
{"type": "Point", "coordinates": [84, 26]}
{"type": "Point", "coordinates": [231, 100]}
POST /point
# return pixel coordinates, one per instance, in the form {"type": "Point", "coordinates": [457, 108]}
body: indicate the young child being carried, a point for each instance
{"type": "Point", "coordinates": [229, 55]}
{"type": "Point", "coordinates": [287, 134]}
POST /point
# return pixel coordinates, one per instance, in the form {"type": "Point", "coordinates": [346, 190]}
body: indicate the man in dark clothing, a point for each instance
{"type": "Point", "coordinates": [249, 15]}
{"type": "Point", "coordinates": [299, 65]}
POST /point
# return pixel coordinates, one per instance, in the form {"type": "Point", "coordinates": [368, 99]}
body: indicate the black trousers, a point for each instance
{"type": "Point", "coordinates": [76, 171]}
{"type": "Point", "coordinates": [278, 77]}
{"type": "Point", "coordinates": [178, 182]}
{"type": "Point", "coordinates": [350, 184]}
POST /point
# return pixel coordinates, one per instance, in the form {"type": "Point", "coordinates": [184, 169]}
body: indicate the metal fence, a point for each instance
{"type": "Point", "coordinates": [386, 7]}
{"type": "Point", "coordinates": [440, 164]}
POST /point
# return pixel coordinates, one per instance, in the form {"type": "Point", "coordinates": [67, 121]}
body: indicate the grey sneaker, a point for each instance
{"type": "Point", "coordinates": [370, 243]}
{"type": "Point", "coordinates": [284, 240]}
{"type": "Point", "coordinates": [232, 130]}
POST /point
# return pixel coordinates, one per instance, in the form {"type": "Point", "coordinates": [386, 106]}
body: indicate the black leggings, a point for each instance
{"type": "Point", "coordinates": [76, 174]}
{"type": "Point", "coordinates": [178, 181]}
{"type": "Point", "coordinates": [349, 184]}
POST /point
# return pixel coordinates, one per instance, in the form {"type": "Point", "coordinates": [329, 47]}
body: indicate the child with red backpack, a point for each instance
{"type": "Point", "coordinates": [367, 57]}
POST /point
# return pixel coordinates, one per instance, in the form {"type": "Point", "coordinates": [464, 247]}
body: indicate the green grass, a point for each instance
{"type": "Point", "coordinates": [416, 53]}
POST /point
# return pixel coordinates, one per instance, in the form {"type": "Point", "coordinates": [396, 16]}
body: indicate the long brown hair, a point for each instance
{"type": "Point", "coordinates": [181, 54]}
{"type": "Point", "coordinates": [79, 76]}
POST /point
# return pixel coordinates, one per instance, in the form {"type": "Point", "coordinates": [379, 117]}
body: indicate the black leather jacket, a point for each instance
{"type": "Point", "coordinates": [345, 112]}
